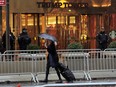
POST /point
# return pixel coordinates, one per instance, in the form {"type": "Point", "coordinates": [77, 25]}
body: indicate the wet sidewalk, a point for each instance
{"type": "Point", "coordinates": [81, 83]}
{"type": "Point", "coordinates": [27, 81]}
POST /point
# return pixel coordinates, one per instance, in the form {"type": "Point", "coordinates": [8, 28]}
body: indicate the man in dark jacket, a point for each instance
{"type": "Point", "coordinates": [1, 46]}
{"type": "Point", "coordinates": [12, 40]}
{"type": "Point", "coordinates": [52, 61]}
{"type": "Point", "coordinates": [24, 40]}
{"type": "Point", "coordinates": [102, 39]}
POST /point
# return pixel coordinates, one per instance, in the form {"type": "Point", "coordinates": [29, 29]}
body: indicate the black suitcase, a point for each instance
{"type": "Point", "coordinates": [66, 73]}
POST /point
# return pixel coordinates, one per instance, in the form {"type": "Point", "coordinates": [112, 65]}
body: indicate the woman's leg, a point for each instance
{"type": "Point", "coordinates": [58, 73]}
{"type": "Point", "coordinates": [47, 72]}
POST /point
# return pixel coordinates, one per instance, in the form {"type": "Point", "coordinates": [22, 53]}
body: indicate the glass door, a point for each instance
{"type": "Point", "coordinates": [28, 21]}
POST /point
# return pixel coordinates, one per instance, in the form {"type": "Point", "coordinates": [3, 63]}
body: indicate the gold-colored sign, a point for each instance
{"type": "Point", "coordinates": [59, 5]}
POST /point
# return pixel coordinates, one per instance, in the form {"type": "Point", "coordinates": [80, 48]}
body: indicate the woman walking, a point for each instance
{"type": "Point", "coordinates": [52, 60]}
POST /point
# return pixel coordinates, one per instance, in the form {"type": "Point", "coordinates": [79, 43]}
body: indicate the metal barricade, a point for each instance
{"type": "Point", "coordinates": [78, 50]}
{"type": "Point", "coordinates": [110, 49]}
{"type": "Point", "coordinates": [101, 61]}
{"type": "Point", "coordinates": [21, 64]}
{"type": "Point", "coordinates": [43, 50]}
{"type": "Point", "coordinates": [76, 62]}
{"type": "Point", "coordinates": [24, 51]}
{"type": "Point", "coordinates": [75, 59]}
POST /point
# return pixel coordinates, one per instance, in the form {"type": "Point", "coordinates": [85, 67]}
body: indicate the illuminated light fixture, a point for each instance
{"type": "Point", "coordinates": [106, 5]}
{"type": "Point", "coordinates": [96, 5]}
{"type": "Point", "coordinates": [83, 37]}
{"type": "Point", "coordinates": [69, 10]}
{"type": "Point", "coordinates": [29, 15]}
{"type": "Point", "coordinates": [35, 38]}
{"type": "Point", "coordinates": [109, 4]}
{"type": "Point", "coordinates": [103, 5]}
{"type": "Point", "coordinates": [22, 15]}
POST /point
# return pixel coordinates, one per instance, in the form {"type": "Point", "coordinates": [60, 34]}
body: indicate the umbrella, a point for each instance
{"type": "Point", "coordinates": [47, 36]}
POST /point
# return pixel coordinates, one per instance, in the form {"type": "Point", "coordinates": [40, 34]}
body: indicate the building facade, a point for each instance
{"type": "Point", "coordinates": [78, 20]}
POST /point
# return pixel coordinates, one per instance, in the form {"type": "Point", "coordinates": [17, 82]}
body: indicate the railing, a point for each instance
{"type": "Point", "coordinates": [110, 49]}
{"type": "Point", "coordinates": [22, 64]}
{"type": "Point", "coordinates": [75, 59]}
{"type": "Point", "coordinates": [34, 61]}
{"type": "Point", "coordinates": [43, 51]}
{"type": "Point", "coordinates": [100, 61]}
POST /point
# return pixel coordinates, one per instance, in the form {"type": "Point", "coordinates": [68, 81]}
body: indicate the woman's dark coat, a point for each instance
{"type": "Point", "coordinates": [52, 55]}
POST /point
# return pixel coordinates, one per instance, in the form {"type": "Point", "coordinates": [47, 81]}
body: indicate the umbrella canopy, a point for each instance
{"type": "Point", "coordinates": [47, 36]}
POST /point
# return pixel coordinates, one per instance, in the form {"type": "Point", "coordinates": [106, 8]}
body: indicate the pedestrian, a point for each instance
{"type": "Point", "coordinates": [102, 39]}
{"type": "Point", "coordinates": [1, 46]}
{"type": "Point", "coordinates": [24, 40]}
{"type": "Point", "coordinates": [52, 60]}
{"type": "Point", "coordinates": [11, 39]}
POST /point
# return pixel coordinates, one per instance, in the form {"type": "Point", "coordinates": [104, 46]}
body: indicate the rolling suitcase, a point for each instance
{"type": "Point", "coordinates": [66, 73]}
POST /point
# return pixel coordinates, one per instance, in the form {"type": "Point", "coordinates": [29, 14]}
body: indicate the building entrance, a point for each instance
{"type": "Point", "coordinates": [78, 28]}
{"type": "Point", "coordinates": [28, 21]}
{"type": "Point", "coordinates": [66, 28]}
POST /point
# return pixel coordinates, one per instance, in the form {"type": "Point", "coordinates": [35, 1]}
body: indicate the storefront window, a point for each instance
{"type": "Point", "coordinates": [3, 20]}
{"type": "Point", "coordinates": [51, 20]}
{"type": "Point", "coordinates": [62, 19]}
{"type": "Point", "coordinates": [30, 20]}
{"type": "Point", "coordinates": [72, 19]}
{"type": "Point", "coordinates": [23, 20]}
{"type": "Point", "coordinates": [84, 28]}
{"type": "Point", "coordinates": [27, 20]}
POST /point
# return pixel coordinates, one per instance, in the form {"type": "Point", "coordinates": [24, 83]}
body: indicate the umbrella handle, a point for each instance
{"type": "Point", "coordinates": [55, 43]}
{"type": "Point", "coordinates": [45, 45]}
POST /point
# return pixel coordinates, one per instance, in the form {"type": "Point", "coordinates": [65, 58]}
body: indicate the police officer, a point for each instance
{"type": "Point", "coordinates": [24, 40]}
{"type": "Point", "coordinates": [102, 39]}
